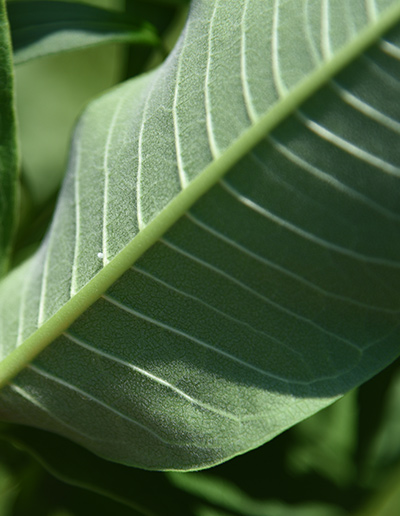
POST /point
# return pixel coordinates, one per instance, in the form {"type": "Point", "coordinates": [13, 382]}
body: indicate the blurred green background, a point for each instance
{"type": "Point", "coordinates": [51, 92]}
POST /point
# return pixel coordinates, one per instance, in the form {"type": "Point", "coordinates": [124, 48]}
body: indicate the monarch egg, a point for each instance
{"type": "Point", "coordinates": [100, 256]}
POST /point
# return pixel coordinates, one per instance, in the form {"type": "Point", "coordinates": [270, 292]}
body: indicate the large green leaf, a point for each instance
{"type": "Point", "coordinates": [40, 28]}
{"type": "Point", "coordinates": [275, 294]}
{"type": "Point", "coordinates": [8, 145]}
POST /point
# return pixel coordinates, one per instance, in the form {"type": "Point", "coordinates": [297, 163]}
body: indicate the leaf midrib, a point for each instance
{"type": "Point", "coordinates": [93, 290]}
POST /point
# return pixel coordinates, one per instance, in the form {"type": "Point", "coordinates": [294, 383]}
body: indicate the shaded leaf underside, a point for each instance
{"type": "Point", "coordinates": [277, 292]}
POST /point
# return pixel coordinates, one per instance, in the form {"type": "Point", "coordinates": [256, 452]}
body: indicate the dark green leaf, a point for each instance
{"type": "Point", "coordinates": [327, 442]}
{"type": "Point", "coordinates": [383, 454]}
{"type": "Point", "coordinates": [149, 493]}
{"type": "Point", "coordinates": [40, 28]}
{"type": "Point", "coordinates": [8, 145]}
{"type": "Point", "coordinates": [229, 497]}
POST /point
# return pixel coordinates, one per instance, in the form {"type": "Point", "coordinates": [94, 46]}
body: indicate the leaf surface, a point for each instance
{"type": "Point", "coordinates": [8, 145]}
{"type": "Point", "coordinates": [275, 288]}
{"type": "Point", "coordinates": [41, 28]}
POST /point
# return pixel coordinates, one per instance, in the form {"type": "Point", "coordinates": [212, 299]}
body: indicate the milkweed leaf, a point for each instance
{"type": "Point", "coordinates": [224, 257]}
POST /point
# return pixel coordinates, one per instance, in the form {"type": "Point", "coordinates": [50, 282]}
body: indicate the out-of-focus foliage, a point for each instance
{"type": "Point", "coordinates": [8, 147]}
{"type": "Point", "coordinates": [43, 28]}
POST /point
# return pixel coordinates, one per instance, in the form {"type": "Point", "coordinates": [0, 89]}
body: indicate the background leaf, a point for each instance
{"type": "Point", "coordinates": [130, 487]}
{"type": "Point", "coordinates": [45, 123]}
{"type": "Point", "coordinates": [273, 296]}
{"type": "Point", "coordinates": [8, 146]}
{"type": "Point", "coordinates": [32, 490]}
{"type": "Point", "coordinates": [40, 28]}
{"type": "Point", "coordinates": [168, 18]}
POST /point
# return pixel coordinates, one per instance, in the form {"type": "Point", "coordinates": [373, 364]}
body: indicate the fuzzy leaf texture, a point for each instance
{"type": "Point", "coordinates": [224, 259]}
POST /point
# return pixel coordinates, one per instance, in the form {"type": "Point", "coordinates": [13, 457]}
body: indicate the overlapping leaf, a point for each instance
{"type": "Point", "coordinates": [277, 292]}
{"type": "Point", "coordinates": [8, 145]}
{"type": "Point", "coordinates": [43, 28]}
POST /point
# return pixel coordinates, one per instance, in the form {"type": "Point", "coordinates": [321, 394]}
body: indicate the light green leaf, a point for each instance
{"type": "Point", "coordinates": [386, 499]}
{"type": "Point", "coordinates": [45, 123]}
{"type": "Point", "coordinates": [8, 490]}
{"type": "Point", "coordinates": [8, 145]}
{"type": "Point", "coordinates": [275, 294]}
{"type": "Point", "coordinates": [32, 490]}
{"type": "Point", "coordinates": [177, 493]}
{"type": "Point", "coordinates": [226, 495]}
{"type": "Point", "coordinates": [384, 451]}
{"type": "Point", "coordinates": [326, 443]}
{"type": "Point", "coordinates": [41, 28]}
